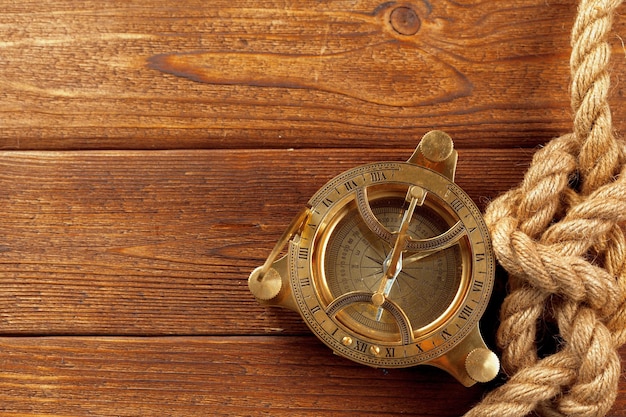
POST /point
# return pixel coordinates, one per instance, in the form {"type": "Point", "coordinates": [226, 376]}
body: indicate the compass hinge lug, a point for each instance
{"type": "Point", "coordinates": [470, 361]}
{"type": "Point", "coordinates": [269, 283]}
{"type": "Point", "coordinates": [436, 151]}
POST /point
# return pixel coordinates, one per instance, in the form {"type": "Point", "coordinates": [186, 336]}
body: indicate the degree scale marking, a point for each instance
{"type": "Point", "coordinates": [345, 300]}
{"type": "Point", "coordinates": [440, 242]}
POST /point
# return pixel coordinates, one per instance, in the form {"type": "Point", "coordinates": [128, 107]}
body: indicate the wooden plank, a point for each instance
{"type": "Point", "coordinates": [211, 377]}
{"type": "Point", "coordinates": [147, 243]}
{"type": "Point", "coordinates": [238, 74]}
{"type": "Point", "coordinates": [123, 273]}
{"type": "Point", "coordinates": [217, 376]}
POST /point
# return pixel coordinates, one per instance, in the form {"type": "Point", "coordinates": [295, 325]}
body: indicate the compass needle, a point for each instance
{"type": "Point", "coordinates": [393, 264]}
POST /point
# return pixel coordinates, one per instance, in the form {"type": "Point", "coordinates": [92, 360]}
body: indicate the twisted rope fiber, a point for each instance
{"type": "Point", "coordinates": [561, 235]}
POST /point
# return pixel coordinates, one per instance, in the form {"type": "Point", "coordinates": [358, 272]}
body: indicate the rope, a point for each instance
{"type": "Point", "coordinates": [561, 235]}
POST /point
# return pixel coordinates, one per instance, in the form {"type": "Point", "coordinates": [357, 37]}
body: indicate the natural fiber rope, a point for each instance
{"type": "Point", "coordinates": [561, 236]}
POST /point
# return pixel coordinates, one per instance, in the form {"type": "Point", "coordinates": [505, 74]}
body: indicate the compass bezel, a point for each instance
{"type": "Point", "coordinates": [450, 328]}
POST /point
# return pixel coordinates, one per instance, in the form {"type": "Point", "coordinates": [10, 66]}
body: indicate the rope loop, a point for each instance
{"type": "Point", "coordinates": [561, 235]}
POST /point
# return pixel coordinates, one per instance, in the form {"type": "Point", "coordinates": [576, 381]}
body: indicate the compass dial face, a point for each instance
{"type": "Point", "coordinates": [394, 266]}
{"type": "Point", "coordinates": [353, 262]}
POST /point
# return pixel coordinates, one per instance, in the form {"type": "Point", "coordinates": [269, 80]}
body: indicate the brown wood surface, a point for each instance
{"type": "Point", "coordinates": [151, 153]}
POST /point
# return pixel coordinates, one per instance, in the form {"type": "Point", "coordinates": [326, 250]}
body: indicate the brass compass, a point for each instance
{"type": "Point", "coordinates": [391, 265]}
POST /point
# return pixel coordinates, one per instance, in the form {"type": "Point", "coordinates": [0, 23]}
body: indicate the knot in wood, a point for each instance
{"type": "Point", "coordinates": [405, 20]}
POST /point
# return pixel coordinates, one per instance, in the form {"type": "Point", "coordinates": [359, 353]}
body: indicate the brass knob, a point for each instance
{"type": "Point", "coordinates": [266, 286]}
{"type": "Point", "coordinates": [482, 365]}
{"type": "Point", "coordinates": [436, 146]}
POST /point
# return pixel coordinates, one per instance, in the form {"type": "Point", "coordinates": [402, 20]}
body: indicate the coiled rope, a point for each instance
{"type": "Point", "coordinates": [561, 235]}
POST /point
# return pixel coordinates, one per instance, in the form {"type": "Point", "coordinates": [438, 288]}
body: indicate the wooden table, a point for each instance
{"type": "Point", "coordinates": [152, 152]}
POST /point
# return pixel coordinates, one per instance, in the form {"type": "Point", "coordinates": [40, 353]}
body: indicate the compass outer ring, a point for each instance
{"type": "Point", "coordinates": [465, 314]}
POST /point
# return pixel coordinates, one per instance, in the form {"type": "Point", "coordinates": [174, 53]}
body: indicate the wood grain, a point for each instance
{"type": "Point", "coordinates": [218, 376]}
{"type": "Point", "coordinates": [151, 153]}
{"type": "Point", "coordinates": [263, 74]}
{"type": "Point", "coordinates": [163, 242]}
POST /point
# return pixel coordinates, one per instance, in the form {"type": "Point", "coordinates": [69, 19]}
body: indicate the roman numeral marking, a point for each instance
{"type": "Point", "coordinates": [378, 176]}
{"type": "Point", "coordinates": [466, 312]}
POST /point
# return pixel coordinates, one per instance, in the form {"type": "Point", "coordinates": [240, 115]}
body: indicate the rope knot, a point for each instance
{"type": "Point", "coordinates": [561, 236]}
